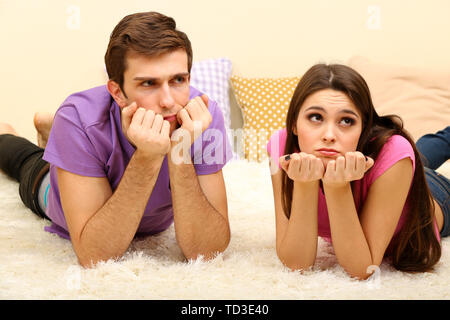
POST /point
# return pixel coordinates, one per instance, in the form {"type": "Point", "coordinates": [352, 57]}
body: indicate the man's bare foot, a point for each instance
{"type": "Point", "coordinates": [43, 123]}
{"type": "Point", "coordinates": [6, 128]}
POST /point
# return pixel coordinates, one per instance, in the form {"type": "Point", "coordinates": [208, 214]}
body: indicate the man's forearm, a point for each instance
{"type": "Point", "coordinates": [200, 229]}
{"type": "Point", "coordinates": [111, 229]}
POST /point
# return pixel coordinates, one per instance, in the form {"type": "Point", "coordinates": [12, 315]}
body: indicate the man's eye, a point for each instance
{"type": "Point", "coordinates": [148, 83]}
{"type": "Point", "coordinates": [180, 79]}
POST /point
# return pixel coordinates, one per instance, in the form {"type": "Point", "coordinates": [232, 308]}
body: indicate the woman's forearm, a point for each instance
{"type": "Point", "coordinates": [298, 247]}
{"type": "Point", "coordinates": [349, 242]}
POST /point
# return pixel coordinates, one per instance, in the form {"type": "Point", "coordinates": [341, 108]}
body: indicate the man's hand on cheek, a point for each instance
{"type": "Point", "coordinates": [147, 131]}
{"type": "Point", "coordinates": [194, 118]}
{"type": "Point", "coordinates": [127, 114]}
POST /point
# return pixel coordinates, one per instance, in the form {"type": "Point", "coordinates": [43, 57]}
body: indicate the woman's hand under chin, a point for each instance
{"type": "Point", "coordinates": [350, 167]}
{"type": "Point", "coordinates": [302, 167]}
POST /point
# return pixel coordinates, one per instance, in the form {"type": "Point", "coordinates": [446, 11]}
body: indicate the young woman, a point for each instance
{"type": "Point", "coordinates": [354, 178]}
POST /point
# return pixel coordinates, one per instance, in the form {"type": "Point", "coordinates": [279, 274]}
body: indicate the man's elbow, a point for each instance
{"type": "Point", "coordinates": [208, 253]}
{"type": "Point", "coordinates": [90, 260]}
{"type": "Point", "coordinates": [84, 259]}
{"type": "Point", "coordinates": [86, 263]}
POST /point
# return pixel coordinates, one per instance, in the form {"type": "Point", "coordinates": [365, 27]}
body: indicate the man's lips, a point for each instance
{"type": "Point", "coordinates": [328, 152]}
{"type": "Point", "coordinates": [171, 118]}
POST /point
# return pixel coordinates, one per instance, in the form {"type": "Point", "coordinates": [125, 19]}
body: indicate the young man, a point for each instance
{"type": "Point", "coordinates": [113, 152]}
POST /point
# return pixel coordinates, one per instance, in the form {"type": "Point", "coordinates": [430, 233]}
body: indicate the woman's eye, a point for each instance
{"type": "Point", "coordinates": [347, 121]}
{"type": "Point", "coordinates": [315, 117]}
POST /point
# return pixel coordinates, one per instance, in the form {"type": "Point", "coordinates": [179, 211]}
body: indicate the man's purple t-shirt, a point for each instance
{"type": "Point", "coordinates": [87, 139]}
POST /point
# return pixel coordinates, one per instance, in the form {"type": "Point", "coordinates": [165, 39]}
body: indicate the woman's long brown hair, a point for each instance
{"type": "Point", "coordinates": [416, 248]}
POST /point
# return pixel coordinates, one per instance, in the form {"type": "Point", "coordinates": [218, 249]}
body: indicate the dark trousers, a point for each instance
{"type": "Point", "coordinates": [22, 160]}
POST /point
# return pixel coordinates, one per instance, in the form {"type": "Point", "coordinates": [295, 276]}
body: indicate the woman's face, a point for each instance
{"type": "Point", "coordinates": [328, 125]}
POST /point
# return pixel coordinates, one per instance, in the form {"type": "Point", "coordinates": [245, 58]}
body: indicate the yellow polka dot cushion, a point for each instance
{"type": "Point", "coordinates": [264, 103]}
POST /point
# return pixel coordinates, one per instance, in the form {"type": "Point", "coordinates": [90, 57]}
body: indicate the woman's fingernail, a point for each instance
{"type": "Point", "coordinates": [287, 157]}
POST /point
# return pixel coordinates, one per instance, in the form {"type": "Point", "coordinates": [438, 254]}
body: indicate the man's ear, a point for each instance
{"type": "Point", "coordinates": [117, 94]}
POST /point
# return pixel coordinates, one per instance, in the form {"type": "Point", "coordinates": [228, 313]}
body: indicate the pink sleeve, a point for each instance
{"type": "Point", "coordinates": [394, 150]}
{"type": "Point", "coordinates": [276, 145]}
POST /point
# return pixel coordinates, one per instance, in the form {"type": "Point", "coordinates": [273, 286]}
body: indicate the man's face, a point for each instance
{"type": "Point", "coordinates": [159, 83]}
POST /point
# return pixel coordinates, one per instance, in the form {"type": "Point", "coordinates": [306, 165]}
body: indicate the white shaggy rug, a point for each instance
{"type": "Point", "coordinates": [35, 264]}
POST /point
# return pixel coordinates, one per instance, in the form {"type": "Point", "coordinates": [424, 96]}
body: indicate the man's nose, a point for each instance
{"type": "Point", "coordinates": [166, 99]}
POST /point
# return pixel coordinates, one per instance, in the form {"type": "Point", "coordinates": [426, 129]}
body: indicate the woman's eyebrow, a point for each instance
{"type": "Point", "coordinates": [325, 111]}
{"type": "Point", "coordinates": [316, 108]}
{"type": "Point", "coordinates": [349, 111]}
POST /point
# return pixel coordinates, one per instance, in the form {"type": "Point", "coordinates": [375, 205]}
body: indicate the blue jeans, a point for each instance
{"type": "Point", "coordinates": [440, 190]}
{"type": "Point", "coordinates": [435, 150]}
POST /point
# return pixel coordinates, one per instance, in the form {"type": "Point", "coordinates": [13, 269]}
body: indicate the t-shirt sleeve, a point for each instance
{"type": "Point", "coordinates": [212, 150]}
{"type": "Point", "coordinates": [276, 145]}
{"type": "Point", "coordinates": [394, 150]}
{"type": "Point", "coordinates": [69, 146]}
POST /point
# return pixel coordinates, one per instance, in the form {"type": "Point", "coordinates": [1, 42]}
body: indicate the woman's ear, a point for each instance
{"type": "Point", "coordinates": [117, 94]}
{"type": "Point", "coordinates": [294, 130]}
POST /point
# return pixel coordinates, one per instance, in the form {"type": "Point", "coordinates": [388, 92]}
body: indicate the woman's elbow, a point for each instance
{"type": "Point", "coordinates": [365, 273]}
{"type": "Point", "coordinates": [295, 263]}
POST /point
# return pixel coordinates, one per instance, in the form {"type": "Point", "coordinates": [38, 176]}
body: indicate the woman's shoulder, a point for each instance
{"type": "Point", "coordinates": [398, 141]}
{"type": "Point", "coordinates": [395, 149]}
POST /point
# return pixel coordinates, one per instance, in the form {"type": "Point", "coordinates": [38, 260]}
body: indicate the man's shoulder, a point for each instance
{"type": "Point", "coordinates": [95, 94]}
{"type": "Point", "coordinates": [194, 92]}
{"type": "Point", "coordinates": [83, 132]}
{"type": "Point", "coordinates": [212, 104]}
{"type": "Point", "coordinates": [92, 105]}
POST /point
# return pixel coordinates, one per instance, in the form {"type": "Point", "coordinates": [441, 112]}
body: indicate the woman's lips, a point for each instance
{"type": "Point", "coordinates": [171, 118]}
{"type": "Point", "coordinates": [328, 152]}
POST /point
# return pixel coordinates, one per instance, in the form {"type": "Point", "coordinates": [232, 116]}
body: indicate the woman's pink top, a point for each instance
{"type": "Point", "coordinates": [395, 149]}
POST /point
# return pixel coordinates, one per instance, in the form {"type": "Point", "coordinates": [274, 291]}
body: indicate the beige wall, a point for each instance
{"type": "Point", "coordinates": [51, 48]}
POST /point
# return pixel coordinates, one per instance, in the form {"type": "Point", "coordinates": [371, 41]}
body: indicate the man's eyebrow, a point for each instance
{"type": "Point", "coordinates": [181, 74]}
{"type": "Point", "coordinates": [341, 111]}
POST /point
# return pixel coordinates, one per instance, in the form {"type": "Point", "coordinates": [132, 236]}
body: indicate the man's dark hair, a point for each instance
{"type": "Point", "coordinates": [146, 33]}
